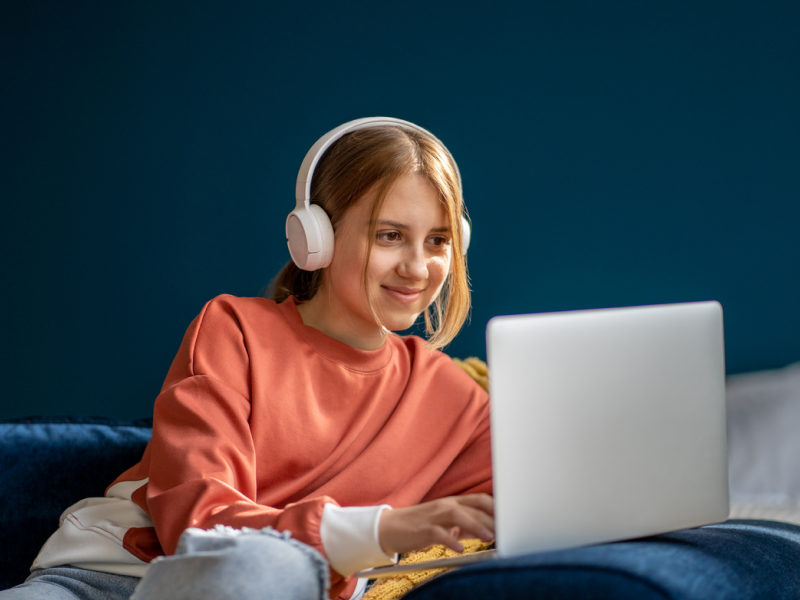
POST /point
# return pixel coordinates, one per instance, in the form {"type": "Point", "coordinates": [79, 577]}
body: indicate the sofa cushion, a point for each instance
{"type": "Point", "coordinates": [764, 445]}
{"type": "Point", "coordinates": [735, 560]}
{"type": "Point", "coordinates": [49, 464]}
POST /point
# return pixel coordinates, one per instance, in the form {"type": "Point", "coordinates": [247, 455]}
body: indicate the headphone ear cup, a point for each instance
{"type": "Point", "coordinates": [296, 238]}
{"type": "Point", "coordinates": [326, 229]}
{"type": "Point", "coordinates": [466, 234]}
{"type": "Point", "coordinates": [309, 235]}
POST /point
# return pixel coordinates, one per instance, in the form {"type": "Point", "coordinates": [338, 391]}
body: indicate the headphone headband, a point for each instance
{"type": "Point", "coordinates": [306, 173]}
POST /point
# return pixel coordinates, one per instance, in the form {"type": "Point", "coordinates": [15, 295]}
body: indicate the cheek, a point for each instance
{"type": "Point", "coordinates": [380, 266]}
{"type": "Point", "coordinates": [347, 271]}
{"type": "Point", "coordinates": [440, 267]}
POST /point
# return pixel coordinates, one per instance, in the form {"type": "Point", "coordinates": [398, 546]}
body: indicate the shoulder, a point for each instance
{"type": "Point", "coordinates": [441, 371]}
{"type": "Point", "coordinates": [232, 305]}
{"type": "Point", "coordinates": [226, 311]}
{"type": "Point", "coordinates": [230, 324]}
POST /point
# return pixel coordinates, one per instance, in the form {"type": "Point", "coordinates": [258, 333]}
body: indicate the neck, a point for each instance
{"type": "Point", "coordinates": [324, 314]}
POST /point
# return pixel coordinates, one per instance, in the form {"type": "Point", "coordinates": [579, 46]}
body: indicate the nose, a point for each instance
{"type": "Point", "coordinates": [414, 264]}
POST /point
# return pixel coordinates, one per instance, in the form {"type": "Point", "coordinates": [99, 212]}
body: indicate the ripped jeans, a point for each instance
{"type": "Point", "coordinates": [246, 564]}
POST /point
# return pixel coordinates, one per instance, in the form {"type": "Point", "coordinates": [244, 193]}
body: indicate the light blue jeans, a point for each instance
{"type": "Point", "coordinates": [222, 563]}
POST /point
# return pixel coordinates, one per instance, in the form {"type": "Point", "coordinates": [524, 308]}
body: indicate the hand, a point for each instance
{"type": "Point", "coordinates": [441, 521]}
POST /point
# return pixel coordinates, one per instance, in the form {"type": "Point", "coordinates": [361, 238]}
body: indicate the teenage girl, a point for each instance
{"type": "Point", "coordinates": [304, 412]}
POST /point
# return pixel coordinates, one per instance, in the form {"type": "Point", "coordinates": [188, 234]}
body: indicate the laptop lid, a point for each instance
{"type": "Point", "coordinates": [607, 424]}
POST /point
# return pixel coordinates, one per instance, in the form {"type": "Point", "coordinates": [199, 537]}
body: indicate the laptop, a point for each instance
{"type": "Point", "coordinates": [607, 425]}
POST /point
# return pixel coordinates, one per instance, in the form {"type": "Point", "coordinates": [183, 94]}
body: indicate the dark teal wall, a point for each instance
{"type": "Point", "coordinates": [613, 153]}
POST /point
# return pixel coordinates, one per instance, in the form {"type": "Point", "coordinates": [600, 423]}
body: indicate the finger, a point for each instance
{"type": "Point", "coordinates": [471, 521]}
{"type": "Point", "coordinates": [486, 521]}
{"type": "Point", "coordinates": [440, 535]}
{"type": "Point", "coordinates": [483, 502]}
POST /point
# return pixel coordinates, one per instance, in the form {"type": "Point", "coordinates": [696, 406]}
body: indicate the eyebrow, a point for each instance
{"type": "Point", "coordinates": [402, 226]}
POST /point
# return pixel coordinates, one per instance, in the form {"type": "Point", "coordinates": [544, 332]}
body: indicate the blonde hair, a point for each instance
{"type": "Point", "coordinates": [377, 157]}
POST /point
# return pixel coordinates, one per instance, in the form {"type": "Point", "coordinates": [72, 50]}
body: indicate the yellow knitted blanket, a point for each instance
{"type": "Point", "coordinates": [394, 587]}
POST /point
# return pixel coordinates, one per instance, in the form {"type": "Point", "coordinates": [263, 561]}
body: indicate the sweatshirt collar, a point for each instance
{"type": "Point", "coordinates": [336, 351]}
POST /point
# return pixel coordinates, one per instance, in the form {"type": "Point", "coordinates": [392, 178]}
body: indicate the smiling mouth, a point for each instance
{"type": "Point", "coordinates": [402, 296]}
{"type": "Point", "coordinates": [404, 290]}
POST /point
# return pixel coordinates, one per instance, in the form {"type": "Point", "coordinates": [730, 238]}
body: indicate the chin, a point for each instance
{"type": "Point", "coordinates": [400, 323]}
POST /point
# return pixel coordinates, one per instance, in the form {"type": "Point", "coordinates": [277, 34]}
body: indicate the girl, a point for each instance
{"type": "Point", "coordinates": [303, 412]}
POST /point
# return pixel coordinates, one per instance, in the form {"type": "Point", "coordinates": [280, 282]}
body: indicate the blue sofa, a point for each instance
{"type": "Point", "coordinates": [49, 463]}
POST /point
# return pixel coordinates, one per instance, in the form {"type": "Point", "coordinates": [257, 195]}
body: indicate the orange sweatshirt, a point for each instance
{"type": "Point", "coordinates": [263, 420]}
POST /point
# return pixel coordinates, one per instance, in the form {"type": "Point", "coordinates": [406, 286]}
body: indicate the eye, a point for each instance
{"type": "Point", "coordinates": [440, 241]}
{"type": "Point", "coordinates": [389, 236]}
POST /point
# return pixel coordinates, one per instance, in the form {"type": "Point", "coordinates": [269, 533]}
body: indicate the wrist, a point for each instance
{"type": "Point", "coordinates": [383, 520]}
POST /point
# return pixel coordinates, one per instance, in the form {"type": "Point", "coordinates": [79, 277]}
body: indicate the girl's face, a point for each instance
{"type": "Point", "coordinates": [409, 262]}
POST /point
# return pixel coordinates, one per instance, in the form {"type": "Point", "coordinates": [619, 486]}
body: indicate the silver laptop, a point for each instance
{"type": "Point", "coordinates": [607, 425]}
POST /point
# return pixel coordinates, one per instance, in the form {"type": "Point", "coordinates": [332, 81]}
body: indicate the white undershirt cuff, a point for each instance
{"type": "Point", "coordinates": [350, 538]}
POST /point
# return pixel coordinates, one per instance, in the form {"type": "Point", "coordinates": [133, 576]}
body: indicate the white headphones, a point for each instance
{"type": "Point", "coordinates": [309, 233]}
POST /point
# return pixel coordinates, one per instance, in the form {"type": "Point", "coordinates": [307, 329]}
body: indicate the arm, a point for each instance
{"type": "Point", "coordinates": [202, 463]}
{"type": "Point", "coordinates": [202, 458]}
{"type": "Point", "coordinates": [471, 471]}
{"type": "Point", "coordinates": [459, 504]}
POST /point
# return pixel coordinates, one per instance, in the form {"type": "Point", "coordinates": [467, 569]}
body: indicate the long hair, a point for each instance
{"type": "Point", "coordinates": [376, 157]}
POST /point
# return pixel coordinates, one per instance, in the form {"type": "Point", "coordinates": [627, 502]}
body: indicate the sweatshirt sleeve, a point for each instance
{"type": "Point", "coordinates": [350, 537]}
{"type": "Point", "coordinates": [202, 456]}
{"type": "Point", "coordinates": [471, 470]}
